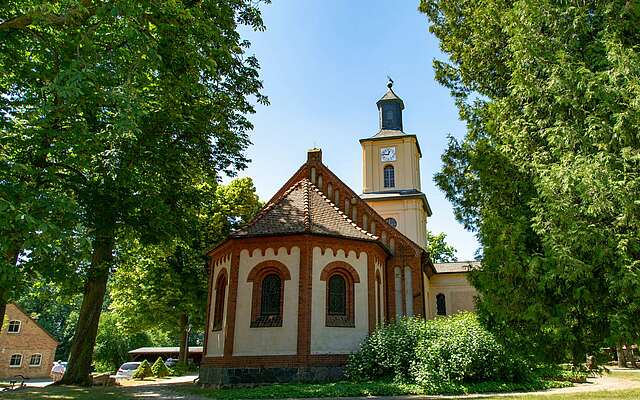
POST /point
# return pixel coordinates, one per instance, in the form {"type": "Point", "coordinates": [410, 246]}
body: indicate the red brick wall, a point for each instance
{"type": "Point", "coordinates": [30, 340]}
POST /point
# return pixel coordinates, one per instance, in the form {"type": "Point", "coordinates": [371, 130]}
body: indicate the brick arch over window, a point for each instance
{"type": "Point", "coordinates": [268, 275]}
{"type": "Point", "coordinates": [340, 279]}
{"type": "Point", "coordinates": [221, 288]}
{"type": "Point", "coordinates": [328, 270]}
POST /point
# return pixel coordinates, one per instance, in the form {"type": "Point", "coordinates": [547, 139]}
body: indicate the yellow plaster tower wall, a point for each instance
{"type": "Point", "coordinates": [406, 165]}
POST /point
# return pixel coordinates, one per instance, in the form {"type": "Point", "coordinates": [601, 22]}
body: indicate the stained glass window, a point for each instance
{"type": "Point", "coordinates": [270, 302]}
{"type": "Point", "coordinates": [337, 295]}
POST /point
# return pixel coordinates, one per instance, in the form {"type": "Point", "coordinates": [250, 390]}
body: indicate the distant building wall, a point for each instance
{"type": "Point", "coordinates": [457, 291]}
{"type": "Point", "coordinates": [29, 341]}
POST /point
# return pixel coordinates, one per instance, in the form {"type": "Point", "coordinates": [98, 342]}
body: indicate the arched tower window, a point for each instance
{"type": "Point", "coordinates": [270, 296]}
{"type": "Point", "coordinates": [441, 305]}
{"type": "Point", "coordinates": [389, 176]}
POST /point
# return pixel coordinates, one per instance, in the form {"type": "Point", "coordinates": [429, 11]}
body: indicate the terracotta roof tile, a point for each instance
{"type": "Point", "coordinates": [303, 208]}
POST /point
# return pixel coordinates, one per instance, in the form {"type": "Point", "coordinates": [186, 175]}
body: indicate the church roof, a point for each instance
{"type": "Point", "coordinates": [303, 208]}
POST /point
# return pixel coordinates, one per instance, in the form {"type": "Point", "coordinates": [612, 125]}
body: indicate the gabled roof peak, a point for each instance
{"type": "Point", "coordinates": [303, 208]}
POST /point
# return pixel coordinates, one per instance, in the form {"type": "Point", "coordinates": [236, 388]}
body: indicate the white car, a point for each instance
{"type": "Point", "coordinates": [126, 370]}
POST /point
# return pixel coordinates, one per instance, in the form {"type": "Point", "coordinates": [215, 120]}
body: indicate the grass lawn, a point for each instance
{"type": "Point", "coordinates": [348, 389]}
{"type": "Point", "coordinates": [69, 393]}
{"type": "Point", "coordinates": [332, 390]}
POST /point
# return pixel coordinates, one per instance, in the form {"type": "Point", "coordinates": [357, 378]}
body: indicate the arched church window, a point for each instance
{"type": "Point", "coordinates": [441, 305]}
{"type": "Point", "coordinates": [340, 278]}
{"type": "Point", "coordinates": [389, 176]}
{"type": "Point", "coordinates": [218, 313]}
{"type": "Point", "coordinates": [270, 296]}
{"type": "Point", "coordinates": [392, 222]}
{"type": "Point", "coordinates": [267, 295]}
{"type": "Point", "coordinates": [337, 295]}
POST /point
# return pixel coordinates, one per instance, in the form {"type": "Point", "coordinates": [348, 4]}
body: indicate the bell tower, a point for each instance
{"type": "Point", "coordinates": [391, 171]}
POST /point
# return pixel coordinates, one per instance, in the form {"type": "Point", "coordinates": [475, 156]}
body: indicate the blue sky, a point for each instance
{"type": "Point", "coordinates": [324, 66]}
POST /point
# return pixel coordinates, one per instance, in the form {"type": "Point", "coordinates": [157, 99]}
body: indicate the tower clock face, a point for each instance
{"type": "Point", "coordinates": [388, 154]}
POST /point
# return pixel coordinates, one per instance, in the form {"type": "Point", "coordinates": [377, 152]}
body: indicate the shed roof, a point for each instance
{"type": "Point", "coordinates": [456, 267]}
{"type": "Point", "coordinates": [164, 350]}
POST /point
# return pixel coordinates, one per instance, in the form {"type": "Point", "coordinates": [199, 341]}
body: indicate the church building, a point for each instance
{"type": "Point", "coordinates": [297, 289]}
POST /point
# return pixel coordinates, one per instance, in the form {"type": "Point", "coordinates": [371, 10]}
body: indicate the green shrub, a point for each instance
{"type": "Point", "coordinates": [159, 368]}
{"type": "Point", "coordinates": [463, 351]}
{"type": "Point", "coordinates": [439, 354]}
{"type": "Point", "coordinates": [179, 369]}
{"type": "Point", "coordinates": [143, 371]}
{"type": "Point", "coordinates": [388, 352]}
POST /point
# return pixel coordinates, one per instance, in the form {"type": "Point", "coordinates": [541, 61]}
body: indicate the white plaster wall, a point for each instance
{"type": "Point", "coordinates": [457, 290]}
{"type": "Point", "coordinates": [338, 340]}
{"type": "Point", "coordinates": [282, 340]}
{"type": "Point", "coordinates": [215, 341]}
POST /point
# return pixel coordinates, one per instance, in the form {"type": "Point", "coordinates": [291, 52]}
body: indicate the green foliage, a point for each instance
{"type": "Point", "coordinates": [159, 368]}
{"type": "Point", "coordinates": [143, 371]}
{"type": "Point", "coordinates": [118, 118]}
{"type": "Point", "coordinates": [439, 354]}
{"type": "Point", "coordinates": [114, 341]}
{"type": "Point", "coordinates": [156, 286]}
{"type": "Point", "coordinates": [439, 250]}
{"type": "Point", "coordinates": [357, 390]}
{"type": "Point", "coordinates": [180, 369]}
{"type": "Point", "coordinates": [460, 350]}
{"type": "Point", "coordinates": [389, 351]}
{"type": "Point", "coordinates": [549, 171]}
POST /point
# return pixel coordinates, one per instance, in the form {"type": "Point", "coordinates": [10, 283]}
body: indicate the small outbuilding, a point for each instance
{"type": "Point", "coordinates": [152, 353]}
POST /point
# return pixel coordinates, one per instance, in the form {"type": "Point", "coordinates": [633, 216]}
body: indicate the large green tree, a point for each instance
{"type": "Point", "coordinates": [165, 286]}
{"type": "Point", "coordinates": [549, 171]}
{"type": "Point", "coordinates": [439, 250]}
{"type": "Point", "coordinates": [134, 104]}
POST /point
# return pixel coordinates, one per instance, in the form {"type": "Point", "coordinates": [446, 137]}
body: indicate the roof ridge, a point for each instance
{"type": "Point", "coordinates": [307, 210]}
{"type": "Point", "coordinates": [342, 214]}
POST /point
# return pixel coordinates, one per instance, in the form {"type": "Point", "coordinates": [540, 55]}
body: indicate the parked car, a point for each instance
{"type": "Point", "coordinates": [171, 362]}
{"type": "Point", "coordinates": [58, 370]}
{"type": "Point", "coordinates": [126, 370]}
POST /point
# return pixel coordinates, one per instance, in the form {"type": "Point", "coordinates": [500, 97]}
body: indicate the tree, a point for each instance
{"type": "Point", "coordinates": [134, 105]}
{"type": "Point", "coordinates": [159, 368]}
{"type": "Point", "coordinates": [439, 250]}
{"type": "Point", "coordinates": [165, 286]}
{"type": "Point", "coordinates": [549, 171]}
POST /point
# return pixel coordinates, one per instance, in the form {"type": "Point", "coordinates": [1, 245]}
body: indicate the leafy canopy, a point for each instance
{"type": "Point", "coordinates": [549, 171]}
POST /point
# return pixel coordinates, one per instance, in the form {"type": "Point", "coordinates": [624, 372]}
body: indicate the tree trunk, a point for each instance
{"type": "Point", "coordinates": [3, 307]}
{"type": "Point", "coordinates": [81, 353]}
{"type": "Point", "coordinates": [12, 257]}
{"type": "Point", "coordinates": [184, 338]}
{"type": "Point", "coordinates": [622, 360]}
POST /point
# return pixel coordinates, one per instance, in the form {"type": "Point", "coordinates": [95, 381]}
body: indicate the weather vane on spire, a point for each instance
{"type": "Point", "coordinates": [390, 82]}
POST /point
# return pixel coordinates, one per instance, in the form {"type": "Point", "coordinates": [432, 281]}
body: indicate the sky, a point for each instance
{"type": "Point", "coordinates": [324, 64]}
